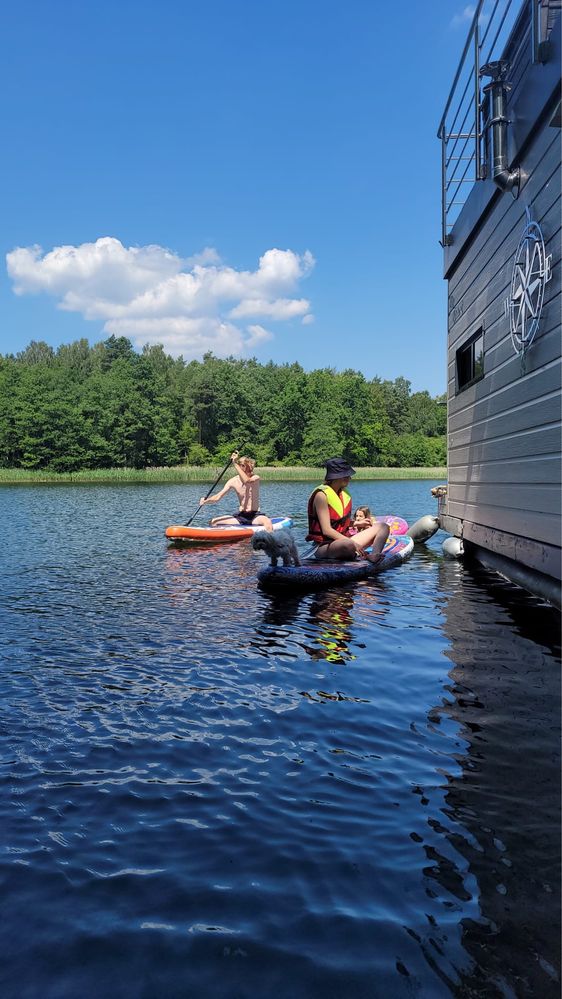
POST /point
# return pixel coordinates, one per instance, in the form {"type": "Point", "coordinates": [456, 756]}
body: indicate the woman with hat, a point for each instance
{"type": "Point", "coordinates": [329, 519]}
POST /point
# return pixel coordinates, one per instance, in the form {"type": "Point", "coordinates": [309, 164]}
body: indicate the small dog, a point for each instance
{"type": "Point", "coordinates": [278, 545]}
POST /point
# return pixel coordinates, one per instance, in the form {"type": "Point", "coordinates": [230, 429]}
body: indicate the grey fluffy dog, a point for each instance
{"type": "Point", "coordinates": [278, 545]}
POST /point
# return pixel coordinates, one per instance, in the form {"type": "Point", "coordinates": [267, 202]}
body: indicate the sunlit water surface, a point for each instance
{"type": "Point", "coordinates": [208, 791]}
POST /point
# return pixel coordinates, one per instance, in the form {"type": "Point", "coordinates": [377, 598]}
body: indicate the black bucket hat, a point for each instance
{"type": "Point", "coordinates": [338, 468]}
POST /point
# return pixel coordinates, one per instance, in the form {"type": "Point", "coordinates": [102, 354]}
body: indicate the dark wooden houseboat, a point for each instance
{"type": "Point", "coordinates": [501, 235]}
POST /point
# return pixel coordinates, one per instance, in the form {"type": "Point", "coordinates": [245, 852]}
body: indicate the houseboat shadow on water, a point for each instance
{"type": "Point", "coordinates": [506, 798]}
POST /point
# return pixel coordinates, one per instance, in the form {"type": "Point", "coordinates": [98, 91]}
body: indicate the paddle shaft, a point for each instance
{"type": "Point", "coordinates": [215, 483]}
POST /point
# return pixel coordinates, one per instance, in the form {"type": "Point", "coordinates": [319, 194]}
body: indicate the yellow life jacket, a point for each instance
{"type": "Point", "coordinates": [339, 507]}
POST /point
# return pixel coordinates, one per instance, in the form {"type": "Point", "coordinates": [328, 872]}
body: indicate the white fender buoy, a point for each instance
{"type": "Point", "coordinates": [424, 528]}
{"type": "Point", "coordinates": [453, 547]}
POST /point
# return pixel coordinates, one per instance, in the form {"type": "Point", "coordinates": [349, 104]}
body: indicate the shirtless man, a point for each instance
{"type": "Point", "coordinates": [246, 485]}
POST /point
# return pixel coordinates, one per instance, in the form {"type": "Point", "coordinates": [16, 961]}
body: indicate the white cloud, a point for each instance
{"type": "Point", "coordinates": [280, 308]}
{"type": "Point", "coordinates": [180, 335]}
{"type": "Point", "coordinates": [208, 255]}
{"type": "Point", "coordinates": [151, 295]}
{"type": "Point", "coordinates": [464, 16]}
{"type": "Point", "coordinates": [257, 335]}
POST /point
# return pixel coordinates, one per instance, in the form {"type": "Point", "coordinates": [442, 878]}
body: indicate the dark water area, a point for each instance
{"type": "Point", "coordinates": [207, 791]}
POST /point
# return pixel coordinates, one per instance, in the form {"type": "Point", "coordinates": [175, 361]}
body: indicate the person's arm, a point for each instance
{"type": "Point", "coordinates": [244, 477]}
{"type": "Point", "coordinates": [323, 513]}
{"type": "Point", "coordinates": [217, 496]}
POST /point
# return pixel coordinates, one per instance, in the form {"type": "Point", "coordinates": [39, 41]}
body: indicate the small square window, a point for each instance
{"type": "Point", "coordinates": [470, 361]}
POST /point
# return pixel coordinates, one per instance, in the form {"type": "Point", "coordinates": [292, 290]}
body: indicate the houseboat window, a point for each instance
{"type": "Point", "coordinates": [470, 361]}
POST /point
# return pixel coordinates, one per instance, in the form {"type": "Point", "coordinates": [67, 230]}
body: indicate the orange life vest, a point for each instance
{"type": "Point", "coordinates": [339, 508]}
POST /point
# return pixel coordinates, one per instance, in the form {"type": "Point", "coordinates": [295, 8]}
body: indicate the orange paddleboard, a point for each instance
{"type": "Point", "coordinates": [215, 535]}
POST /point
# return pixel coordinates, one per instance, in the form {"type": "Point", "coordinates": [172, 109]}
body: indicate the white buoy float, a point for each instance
{"type": "Point", "coordinates": [424, 528]}
{"type": "Point", "coordinates": [453, 547]}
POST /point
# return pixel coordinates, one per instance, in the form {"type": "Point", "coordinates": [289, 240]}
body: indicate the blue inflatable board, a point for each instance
{"type": "Point", "coordinates": [314, 574]}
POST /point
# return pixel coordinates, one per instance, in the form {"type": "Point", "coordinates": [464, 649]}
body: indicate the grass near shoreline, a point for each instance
{"type": "Point", "coordinates": [200, 473]}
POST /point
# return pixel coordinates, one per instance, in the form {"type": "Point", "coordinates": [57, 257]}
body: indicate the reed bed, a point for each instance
{"type": "Point", "coordinates": [201, 473]}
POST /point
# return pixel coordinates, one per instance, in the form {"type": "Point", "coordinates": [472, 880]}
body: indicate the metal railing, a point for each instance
{"type": "Point", "coordinates": [462, 129]}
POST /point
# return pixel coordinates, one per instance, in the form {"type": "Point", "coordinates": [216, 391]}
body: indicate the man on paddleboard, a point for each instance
{"type": "Point", "coordinates": [246, 485]}
{"type": "Point", "coordinates": [329, 519]}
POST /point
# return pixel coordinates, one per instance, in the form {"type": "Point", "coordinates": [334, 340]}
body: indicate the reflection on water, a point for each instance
{"type": "Point", "coordinates": [332, 616]}
{"type": "Point", "coordinates": [213, 791]}
{"type": "Point", "coordinates": [507, 799]}
{"type": "Point", "coordinates": [329, 617]}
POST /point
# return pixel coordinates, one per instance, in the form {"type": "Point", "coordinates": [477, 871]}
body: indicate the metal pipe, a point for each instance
{"type": "Point", "coordinates": [477, 101]}
{"type": "Point", "coordinates": [503, 177]}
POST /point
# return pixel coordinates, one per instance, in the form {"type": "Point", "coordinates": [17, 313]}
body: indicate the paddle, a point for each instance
{"type": "Point", "coordinates": [229, 462]}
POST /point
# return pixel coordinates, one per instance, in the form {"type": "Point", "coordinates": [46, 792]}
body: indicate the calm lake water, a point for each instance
{"type": "Point", "coordinates": [212, 792]}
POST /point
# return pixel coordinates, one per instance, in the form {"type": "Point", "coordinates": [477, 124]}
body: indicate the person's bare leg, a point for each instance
{"type": "Point", "coordinates": [340, 549]}
{"type": "Point", "coordinates": [373, 537]}
{"type": "Point", "coordinates": [263, 521]}
{"type": "Point", "coordinates": [225, 520]}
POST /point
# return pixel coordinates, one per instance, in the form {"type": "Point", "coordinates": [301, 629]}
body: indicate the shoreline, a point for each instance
{"type": "Point", "coordinates": [195, 473]}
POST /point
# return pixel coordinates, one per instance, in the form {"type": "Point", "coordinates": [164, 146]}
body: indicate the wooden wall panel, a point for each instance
{"type": "Point", "coordinates": [510, 394]}
{"type": "Point", "coordinates": [543, 412]}
{"type": "Point", "coordinates": [531, 524]}
{"type": "Point", "coordinates": [539, 470]}
{"type": "Point", "coordinates": [504, 432]}
{"type": "Point", "coordinates": [528, 497]}
{"type": "Point", "coordinates": [537, 441]}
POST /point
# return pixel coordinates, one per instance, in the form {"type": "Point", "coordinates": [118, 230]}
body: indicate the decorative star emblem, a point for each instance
{"type": "Point", "coordinates": [531, 271]}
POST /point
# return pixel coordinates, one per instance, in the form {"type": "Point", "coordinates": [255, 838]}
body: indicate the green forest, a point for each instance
{"type": "Point", "coordinates": [107, 406]}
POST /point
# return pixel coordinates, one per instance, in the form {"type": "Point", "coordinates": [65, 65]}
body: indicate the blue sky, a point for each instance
{"type": "Point", "coordinates": [251, 177]}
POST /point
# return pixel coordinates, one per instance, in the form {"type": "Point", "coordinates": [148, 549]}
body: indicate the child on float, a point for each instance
{"type": "Point", "coordinates": [362, 519]}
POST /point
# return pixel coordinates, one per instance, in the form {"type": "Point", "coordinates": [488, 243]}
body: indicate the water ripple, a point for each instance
{"type": "Point", "coordinates": [211, 791]}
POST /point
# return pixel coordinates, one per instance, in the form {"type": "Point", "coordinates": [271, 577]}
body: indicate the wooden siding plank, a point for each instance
{"type": "Point", "coordinates": [518, 68]}
{"type": "Point", "coordinates": [544, 353]}
{"type": "Point", "coordinates": [535, 469]}
{"type": "Point", "coordinates": [509, 396]}
{"type": "Point", "coordinates": [525, 523]}
{"type": "Point", "coordinates": [536, 415]}
{"type": "Point", "coordinates": [529, 551]}
{"type": "Point", "coordinates": [528, 498]}
{"type": "Point", "coordinates": [502, 364]}
{"type": "Point", "coordinates": [541, 440]}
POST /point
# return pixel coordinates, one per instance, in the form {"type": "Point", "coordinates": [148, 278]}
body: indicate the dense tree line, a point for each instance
{"type": "Point", "coordinates": [108, 406]}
